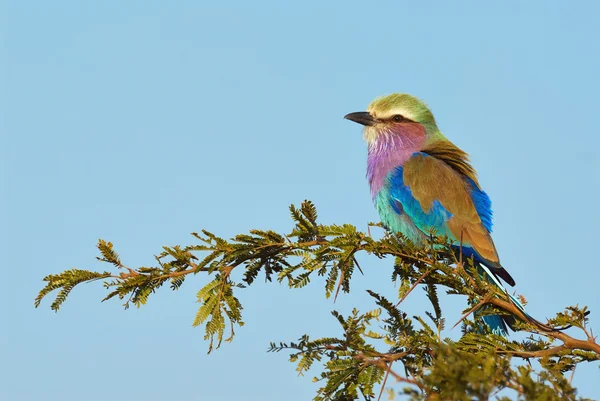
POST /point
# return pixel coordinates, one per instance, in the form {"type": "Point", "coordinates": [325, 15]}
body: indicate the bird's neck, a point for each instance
{"type": "Point", "coordinates": [391, 150]}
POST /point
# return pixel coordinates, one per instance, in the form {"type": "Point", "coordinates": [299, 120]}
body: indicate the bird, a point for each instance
{"type": "Point", "coordinates": [420, 181]}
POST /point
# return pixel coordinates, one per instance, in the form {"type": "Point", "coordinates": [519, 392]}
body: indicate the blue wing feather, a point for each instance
{"type": "Point", "coordinates": [436, 217]}
{"type": "Point", "coordinates": [482, 203]}
{"type": "Point", "coordinates": [402, 202]}
{"type": "Point", "coordinates": [407, 216]}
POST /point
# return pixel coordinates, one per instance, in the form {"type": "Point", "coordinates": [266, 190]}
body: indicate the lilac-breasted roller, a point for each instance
{"type": "Point", "coordinates": [421, 181]}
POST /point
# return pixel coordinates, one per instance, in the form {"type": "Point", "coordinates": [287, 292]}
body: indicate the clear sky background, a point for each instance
{"type": "Point", "coordinates": [139, 122]}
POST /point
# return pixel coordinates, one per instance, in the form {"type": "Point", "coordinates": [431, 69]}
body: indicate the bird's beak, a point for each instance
{"type": "Point", "coordinates": [361, 117]}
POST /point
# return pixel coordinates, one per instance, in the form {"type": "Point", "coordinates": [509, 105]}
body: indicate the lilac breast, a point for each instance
{"type": "Point", "coordinates": [390, 150]}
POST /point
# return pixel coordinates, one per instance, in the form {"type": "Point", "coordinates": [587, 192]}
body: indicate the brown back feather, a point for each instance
{"type": "Point", "coordinates": [453, 156]}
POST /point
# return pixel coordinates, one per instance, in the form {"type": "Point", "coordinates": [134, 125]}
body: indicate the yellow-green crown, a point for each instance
{"type": "Point", "coordinates": [406, 105]}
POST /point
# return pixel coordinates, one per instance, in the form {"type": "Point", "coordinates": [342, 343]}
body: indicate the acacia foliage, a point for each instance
{"type": "Point", "coordinates": [374, 346]}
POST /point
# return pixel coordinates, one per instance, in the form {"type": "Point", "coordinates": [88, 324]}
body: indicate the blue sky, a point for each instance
{"type": "Point", "coordinates": [139, 122]}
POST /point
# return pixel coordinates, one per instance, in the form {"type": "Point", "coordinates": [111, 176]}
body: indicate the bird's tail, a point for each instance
{"type": "Point", "coordinates": [499, 323]}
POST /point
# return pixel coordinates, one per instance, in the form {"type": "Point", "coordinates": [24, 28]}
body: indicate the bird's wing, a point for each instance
{"type": "Point", "coordinates": [434, 195]}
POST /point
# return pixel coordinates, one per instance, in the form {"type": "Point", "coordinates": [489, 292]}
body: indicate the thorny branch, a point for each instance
{"type": "Point", "coordinates": [328, 251]}
{"type": "Point", "coordinates": [385, 250]}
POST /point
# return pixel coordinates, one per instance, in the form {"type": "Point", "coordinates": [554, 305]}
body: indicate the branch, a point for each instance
{"type": "Point", "coordinates": [544, 353]}
{"type": "Point", "coordinates": [568, 341]}
{"type": "Point", "coordinates": [325, 250]}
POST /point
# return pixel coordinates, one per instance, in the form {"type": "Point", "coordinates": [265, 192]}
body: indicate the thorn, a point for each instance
{"type": "Point", "coordinates": [460, 257]}
{"type": "Point", "coordinates": [339, 285]}
{"type": "Point", "coordinates": [473, 309]}
{"type": "Point", "coordinates": [572, 374]}
{"type": "Point", "coordinates": [415, 285]}
{"type": "Point", "coordinates": [358, 266]}
{"type": "Point", "coordinates": [387, 373]}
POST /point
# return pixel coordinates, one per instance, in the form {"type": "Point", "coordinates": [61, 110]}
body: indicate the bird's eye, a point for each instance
{"type": "Point", "coordinates": [397, 118]}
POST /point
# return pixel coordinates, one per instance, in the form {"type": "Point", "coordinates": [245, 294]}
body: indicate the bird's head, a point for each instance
{"type": "Point", "coordinates": [398, 115]}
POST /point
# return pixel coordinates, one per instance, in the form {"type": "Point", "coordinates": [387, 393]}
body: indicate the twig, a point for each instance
{"type": "Point", "coordinates": [135, 273]}
{"type": "Point", "coordinates": [382, 365]}
{"type": "Point", "coordinates": [342, 263]}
